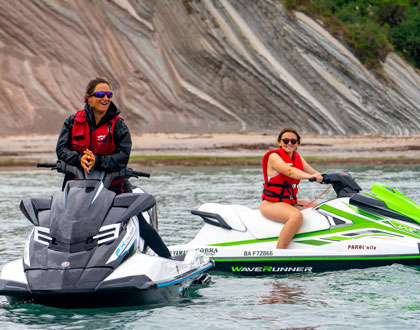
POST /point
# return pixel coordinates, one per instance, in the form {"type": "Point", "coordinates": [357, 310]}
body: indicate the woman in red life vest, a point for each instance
{"type": "Point", "coordinates": [283, 168]}
{"type": "Point", "coordinates": [97, 137]}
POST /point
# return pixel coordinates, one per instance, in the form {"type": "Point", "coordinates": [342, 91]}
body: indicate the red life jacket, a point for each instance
{"type": "Point", "coordinates": [100, 141]}
{"type": "Point", "coordinates": [281, 188]}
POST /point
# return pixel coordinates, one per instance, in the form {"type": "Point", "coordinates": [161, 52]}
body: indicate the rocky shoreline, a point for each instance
{"type": "Point", "coordinates": [227, 149]}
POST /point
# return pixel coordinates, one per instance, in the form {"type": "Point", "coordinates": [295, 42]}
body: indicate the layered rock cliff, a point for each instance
{"type": "Point", "coordinates": [194, 66]}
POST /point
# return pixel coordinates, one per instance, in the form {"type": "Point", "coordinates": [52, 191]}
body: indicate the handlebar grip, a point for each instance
{"type": "Point", "coordinates": [143, 174]}
{"type": "Point", "coordinates": [49, 165]}
{"type": "Point", "coordinates": [312, 179]}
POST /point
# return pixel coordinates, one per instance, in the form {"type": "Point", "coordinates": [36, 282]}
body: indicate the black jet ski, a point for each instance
{"type": "Point", "coordinates": [85, 249]}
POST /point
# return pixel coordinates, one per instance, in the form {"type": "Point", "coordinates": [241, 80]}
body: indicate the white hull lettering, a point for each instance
{"type": "Point", "coordinates": [207, 251]}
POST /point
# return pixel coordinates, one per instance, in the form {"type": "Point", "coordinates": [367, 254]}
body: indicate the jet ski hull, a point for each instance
{"type": "Point", "coordinates": [111, 298]}
{"type": "Point", "coordinates": [271, 261]}
{"type": "Point", "coordinates": [308, 265]}
{"type": "Point", "coordinates": [126, 291]}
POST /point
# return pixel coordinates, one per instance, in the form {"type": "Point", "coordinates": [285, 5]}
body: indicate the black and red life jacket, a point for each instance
{"type": "Point", "coordinates": [281, 188]}
{"type": "Point", "coordinates": [100, 141]}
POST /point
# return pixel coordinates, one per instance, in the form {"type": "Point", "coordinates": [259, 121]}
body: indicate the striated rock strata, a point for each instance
{"type": "Point", "coordinates": [195, 67]}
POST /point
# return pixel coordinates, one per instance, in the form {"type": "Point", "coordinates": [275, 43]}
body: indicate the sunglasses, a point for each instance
{"type": "Point", "coordinates": [101, 94]}
{"type": "Point", "coordinates": [286, 141]}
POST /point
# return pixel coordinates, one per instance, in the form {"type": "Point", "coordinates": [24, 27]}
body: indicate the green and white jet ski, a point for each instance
{"type": "Point", "coordinates": [355, 230]}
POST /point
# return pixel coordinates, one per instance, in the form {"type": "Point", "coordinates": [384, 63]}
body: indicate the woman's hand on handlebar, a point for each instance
{"type": "Point", "coordinates": [88, 160]}
{"type": "Point", "coordinates": [316, 177]}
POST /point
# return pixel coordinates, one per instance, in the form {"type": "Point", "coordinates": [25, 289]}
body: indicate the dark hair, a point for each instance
{"type": "Point", "coordinates": [289, 130]}
{"type": "Point", "coordinates": [93, 83]}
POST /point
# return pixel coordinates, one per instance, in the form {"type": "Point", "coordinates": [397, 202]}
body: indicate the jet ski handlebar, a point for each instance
{"type": "Point", "coordinates": [342, 182]}
{"type": "Point", "coordinates": [80, 174]}
{"type": "Point", "coordinates": [137, 174]}
{"type": "Point", "coordinates": [323, 180]}
{"type": "Point", "coordinates": [49, 165]}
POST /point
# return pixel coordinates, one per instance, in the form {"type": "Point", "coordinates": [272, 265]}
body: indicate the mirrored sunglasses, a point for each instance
{"type": "Point", "coordinates": [102, 94]}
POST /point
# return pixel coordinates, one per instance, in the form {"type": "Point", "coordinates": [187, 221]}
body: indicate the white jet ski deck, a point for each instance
{"type": "Point", "coordinates": [85, 249]}
{"type": "Point", "coordinates": [354, 230]}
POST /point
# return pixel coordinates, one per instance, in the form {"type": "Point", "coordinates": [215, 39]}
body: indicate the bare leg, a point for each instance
{"type": "Point", "coordinates": [285, 213]}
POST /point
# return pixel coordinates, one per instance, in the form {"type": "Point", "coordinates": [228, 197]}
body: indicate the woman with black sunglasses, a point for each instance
{"type": "Point", "coordinates": [97, 137]}
{"type": "Point", "coordinates": [283, 168]}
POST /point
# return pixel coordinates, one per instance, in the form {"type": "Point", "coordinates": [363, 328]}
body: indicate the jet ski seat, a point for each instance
{"type": "Point", "coordinates": [242, 218]}
{"type": "Point", "coordinates": [261, 227]}
{"type": "Point", "coordinates": [225, 216]}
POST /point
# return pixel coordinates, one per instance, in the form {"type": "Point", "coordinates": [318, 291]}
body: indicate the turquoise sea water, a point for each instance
{"type": "Point", "coordinates": [375, 298]}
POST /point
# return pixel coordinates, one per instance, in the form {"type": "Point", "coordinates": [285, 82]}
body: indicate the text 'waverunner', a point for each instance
{"type": "Point", "coordinates": [355, 230]}
{"type": "Point", "coordinates": [85, 249]}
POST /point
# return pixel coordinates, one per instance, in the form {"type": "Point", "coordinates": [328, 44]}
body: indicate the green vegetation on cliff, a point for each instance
{"type": "Point", "coordinates": [371, 28]}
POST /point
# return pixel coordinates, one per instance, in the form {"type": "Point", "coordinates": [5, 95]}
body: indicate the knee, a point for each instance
{"type": "Point", "coordinates": [262, 206]}
{"type": "Point", "coordinates": [296, 218]}
{"type": "Point", "coordinates": [266, 210]}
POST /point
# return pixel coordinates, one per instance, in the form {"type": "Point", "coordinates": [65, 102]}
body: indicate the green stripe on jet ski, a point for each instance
{"type": "Point", "coordinates": [313, 242]}
{"type": "Point", "coordinates": [251, 241]}
{"type": "Point", "coordinates": [344, 238]}
{"type": "Point", "coordinates": [316, 258]}
{"type": "Point", "coordinates": [359, 223]}
{"type": "Point", "coordinates": [338, 238]}
{"type": "Point", "coordinates": [355, 218]}
{"type": "Point", "coordinates": [365, 213]}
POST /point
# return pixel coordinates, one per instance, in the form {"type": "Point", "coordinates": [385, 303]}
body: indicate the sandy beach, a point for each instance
{"type": "Point", "coordinates": [374, 149]}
